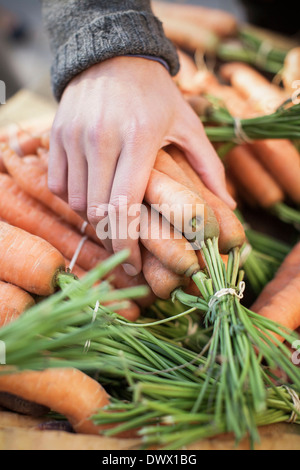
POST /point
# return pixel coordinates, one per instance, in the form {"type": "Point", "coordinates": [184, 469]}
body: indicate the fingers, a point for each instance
{"type": "Point", "coordinates": [130, 182]}
{"type": "Point", "coordinates": [206, 161]}
{"type": "Point", "coordinates": [102, 156]}
{"type": "Point", "coordinates": [77, 181]}
{"type": "Point", "coordinates": [58, 168]}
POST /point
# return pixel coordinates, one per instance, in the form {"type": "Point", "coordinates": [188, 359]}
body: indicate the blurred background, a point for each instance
{"type": "Point", "coordinates": [24, 52]}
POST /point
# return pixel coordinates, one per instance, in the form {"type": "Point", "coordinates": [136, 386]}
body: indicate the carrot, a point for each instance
{"type": "Point", "coordinates": [20, 209]}
{"type": "Point", "coordinates": [77, 270]}
{"type": "Point", "coordinates": [232, 233]}
{"type": "Point", "coordinates": [199, 104]}
{"type": "Point", "coordinates": [252, 177]}
{"type": "Point", "coordinates": [28, 262]}
{"type": "Point", "coordinates": [45, 140]}
{"type": "Point", "coordinates": [282, 160]}
{"type": "Point", "coordinates": [2, 166]}
{"type": "Point", "coordinates": [284, 307]}
{"type": "Point", "coordinates": [21, 140]}
{"type": "Point", "coordinates": [180, 206]}
{"type": "Point", "coordinates": [287, 271]}
{"type": "Point", "coordinates": [202, 81]}
{"type": "Point", "coordinates": [162, 281]}
{"type": "Point", "coordinates": [34, 160]}
{"type": "Point", "coordinates": [167, 165]}
{"type": "Point", "coordinates": [167, 244]}
{"type": "Point", "coordinates": [131, 312]}
{"type": "Point", "coordinates": [66, 391]}
{"type": "Point", "coordinates": [20, 406]}
{"type": "Point", "coordinates": [189, 36]}
{"type": "Point", "coordinates": [264, 96]}
{"type": "Point", "coordinates": [231, 188]}
{"type": "Point", "coordinates": [43, 154]}
{"type": "Point", "coordinates": [32, 178]}
{"type": "Point", "coordinates": [220, 22]}
{"type": "Point", "coordinates": [290, 74]}
{"type": "Point", "coordinates": [13, 302]}
{"type": "Point", "coordinates": [187, 71]}
{"type": "Point", "coordinates": [192, 289]}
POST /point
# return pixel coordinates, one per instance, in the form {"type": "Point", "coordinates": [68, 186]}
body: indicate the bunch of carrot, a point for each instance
{"type": "Point", "coordinates": [154, 367]}
{"type": "Point", "coordinates": [266, 172]}
{"type": "Point", "coordinates": [260, 48]}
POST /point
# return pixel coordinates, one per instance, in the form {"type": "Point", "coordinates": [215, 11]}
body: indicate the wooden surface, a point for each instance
{"type": "Point", "coordinates": [20, 433]}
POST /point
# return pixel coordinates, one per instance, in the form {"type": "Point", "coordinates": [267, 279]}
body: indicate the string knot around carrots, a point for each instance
{"type": "Point", "coordinates": [227, 291]}
{"type": "Point", "coordinates": [296, 401]}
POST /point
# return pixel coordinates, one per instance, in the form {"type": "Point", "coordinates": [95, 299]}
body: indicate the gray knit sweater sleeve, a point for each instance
{"type": "Point", "coordinates": [85, 32]}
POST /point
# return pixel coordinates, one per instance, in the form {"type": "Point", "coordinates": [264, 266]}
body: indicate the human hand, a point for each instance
{"type": "Point", "coordinates": [111, 122]}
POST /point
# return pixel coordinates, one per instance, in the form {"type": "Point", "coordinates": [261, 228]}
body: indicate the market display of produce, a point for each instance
{"type": "Point", "coordinates": [179, 353]}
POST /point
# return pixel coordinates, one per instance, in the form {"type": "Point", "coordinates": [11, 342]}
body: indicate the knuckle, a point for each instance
{"type": "Point", "coordinates": [93, 134]}
{"type": "Point", "coordinates": [57, 131]}
{"type": "Point", "coordinates": [77, 203]}
{"type": "Point", "coordinates": [138, 130]}
{"type": "Point", "coordinates": [72, 132]}
{"type": "Point", "coordinates": [56, 188]}
{"type": "Point", "coordinates": [94, 214]}
{"type": "Point", "coordinates": [121, 203]}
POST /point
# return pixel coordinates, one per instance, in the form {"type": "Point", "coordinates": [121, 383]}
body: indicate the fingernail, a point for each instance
{"type": "Point", "coordinates": [130, 269]}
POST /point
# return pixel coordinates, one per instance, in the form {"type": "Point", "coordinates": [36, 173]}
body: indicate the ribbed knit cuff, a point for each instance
{"type": "Point", "coordinates": [118, 34]}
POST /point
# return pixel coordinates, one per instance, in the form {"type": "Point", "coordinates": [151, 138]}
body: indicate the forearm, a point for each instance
{"type": "Point", "coordinates": [85, 32]}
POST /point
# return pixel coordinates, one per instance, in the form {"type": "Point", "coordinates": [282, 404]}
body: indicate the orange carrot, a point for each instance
{"type": "Point", "coordinates": [131, 312]}
{"type": "Point", "coordinates": [187, 71]}
{"type": "Point", "coordinates": [220, 22]}
{"type": "Point", "coordinates": [231, 188]}
{"type": "Point", "coordinates": [251, 175]}
{"type": "Point", "coordinates": [27, 261]}
{"type": "Point", "coordinates": [43, 154]}
{"type": "Point", "coordinates": [22, 141]}
{"type": "Point", "coordinates": [32, 178]}
{"type": "Point", "coordinates": [13, 302]}
{"type": "Point", "coordinates": [2, 166]}
{"type": "Point", "coordinates": [199, 104]}
{"type": "Point", "coordinates": [289, 269]}
{"type": "Point", "coordinates": [66, 391]}
{"type": "Point", "coordinates": [77, 270]}
{"type": "Point", "coordinates": [167, 244]}
{"type": "Point", "coordinates": [20, 209]}
{"type": "Point", "coordinates": [282, 160]}
{"type": "Point", "coordinates": [189, 36]}
{"type": "Point", "coordinates": [45, 140]}
{"type": "Point", "coordinates": [284, 307]}
{"type": "Point", "coordinates": [161, 280]}
{"type": "Point", "coordinates": [232, 233]}
{"type": "Point", "coordinates": [34, 160]}
{"type": "Point", "coordinates": [263, 96]}
{"type": "Point", "coordinates": [180, 206]}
